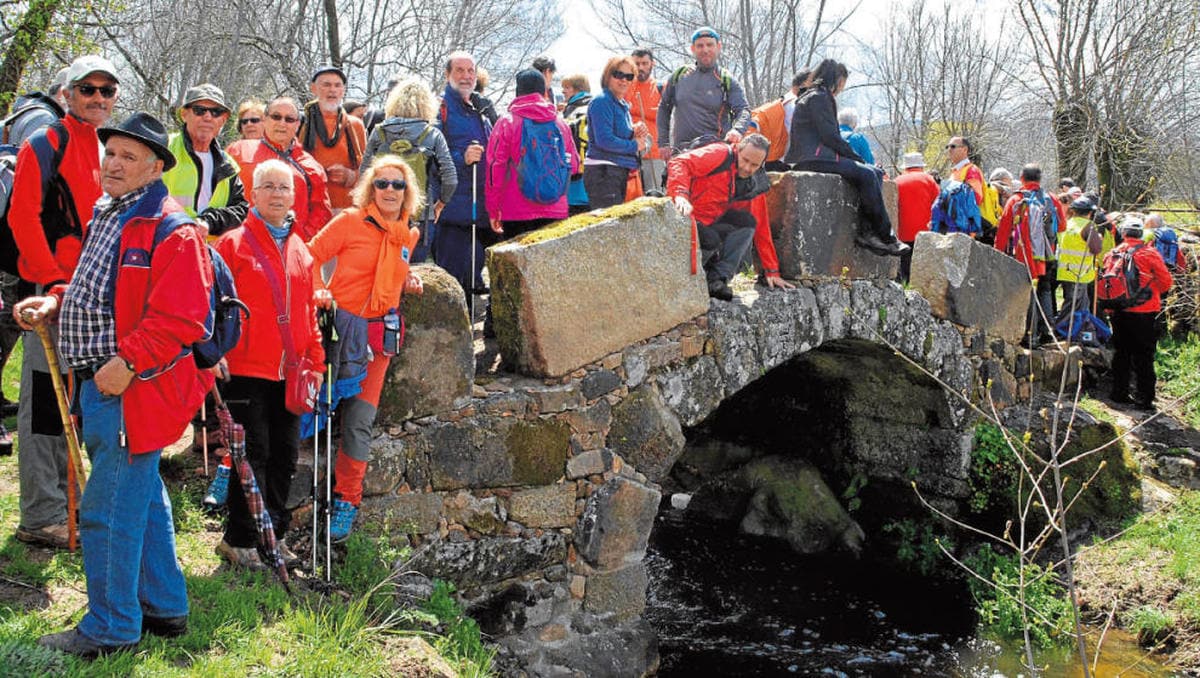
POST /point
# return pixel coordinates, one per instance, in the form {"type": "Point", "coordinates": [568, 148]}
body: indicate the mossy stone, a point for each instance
{"type": "Point", "coordinates": [539, 451]}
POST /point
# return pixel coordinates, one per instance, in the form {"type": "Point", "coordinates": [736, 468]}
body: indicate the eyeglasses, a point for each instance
{"type": "Point", "coordinates": [289, 119]}
{"type": "Point", "coordinates": [211, 111]}
{"type": "Point", "coordinates": [622, 75]}
{"type": "Point", "coordinates": [249, 121]}
{"type": "Point", "coordinates": [950, 146]}
{"type": "Point", "coordinates": [398, 184]}
{"type": "Point", "coordinates": [106, 91]}
{"type": "Point", "coordinates": [273, 188]}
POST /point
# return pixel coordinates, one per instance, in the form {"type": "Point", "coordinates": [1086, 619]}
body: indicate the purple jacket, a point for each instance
{"type": "Point", "coordinates": [504, 198]}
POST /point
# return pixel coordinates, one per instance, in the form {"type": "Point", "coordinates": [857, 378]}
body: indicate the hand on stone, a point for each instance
{"type": "Point", "coordinates": [413, 284]}
{"type": "Point", "coordinates": [776, 281]}
{"type": "Point", "coordinates": [683, 206]}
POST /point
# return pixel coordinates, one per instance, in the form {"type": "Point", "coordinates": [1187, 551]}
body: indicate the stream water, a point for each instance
{"type": "Point", "coordinates": [725, 604]}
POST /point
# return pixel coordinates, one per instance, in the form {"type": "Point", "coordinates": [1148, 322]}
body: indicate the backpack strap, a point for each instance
{"type": "Point", "coordinates": [168, 224]}
{"type": "Point", "coordinates": [281, 311]}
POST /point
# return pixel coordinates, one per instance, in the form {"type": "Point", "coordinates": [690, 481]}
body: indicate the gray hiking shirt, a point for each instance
{"type": "Point", "coordinates": [442, 178]}
{"type": "Point", "coordinates": [698, 101]}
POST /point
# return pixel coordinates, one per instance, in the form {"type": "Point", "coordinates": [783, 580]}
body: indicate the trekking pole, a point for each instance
{"type": "Point", "coordinates": [204, 432]}
{"type": "Point", "coordinates": [74, 460]}
{"type": "Point", "coordinates": [474, 225]}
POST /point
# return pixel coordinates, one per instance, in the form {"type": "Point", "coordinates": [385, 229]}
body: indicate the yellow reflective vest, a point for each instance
{"type": "Point", "coordinates": [1075, 263]}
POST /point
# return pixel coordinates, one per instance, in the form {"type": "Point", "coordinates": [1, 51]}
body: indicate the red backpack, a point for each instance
{"type": "Point", "coordinates": [1119, 284]}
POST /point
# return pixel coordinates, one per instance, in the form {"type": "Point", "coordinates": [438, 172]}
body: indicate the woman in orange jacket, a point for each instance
{"type": "Point", "coordinates": [372, 242]}
{"type": "Point", "coordinates": [273, 272]}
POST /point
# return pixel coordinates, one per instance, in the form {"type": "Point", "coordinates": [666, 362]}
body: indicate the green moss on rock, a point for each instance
{"type": "Point", "coordinates": [539, 451]}
{"type": "Point", "coordinates": [435, 307]}
{"type": "Point", "coordinates": [506, 303]}
{"type": "Point", "coordinates": [581, 221]}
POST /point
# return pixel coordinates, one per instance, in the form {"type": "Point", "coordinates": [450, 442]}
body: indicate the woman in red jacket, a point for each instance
{"type": "Point", "coordinates": [273, 272]}
{"type": "Point", "coordinates": [373, 243]}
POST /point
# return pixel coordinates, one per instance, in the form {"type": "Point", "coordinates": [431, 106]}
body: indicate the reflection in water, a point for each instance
{"type": "Point", "coordinates": [725, 604]}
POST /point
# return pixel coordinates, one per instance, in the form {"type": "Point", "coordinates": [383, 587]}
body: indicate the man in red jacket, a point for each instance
{"type": "Point", "coordinates": [1135, 334]}
{"type": "Point", "coordinates": [135, 302]}
{"type": "Point", "coordinates": [721, 187]}
{"type": "Point", "coordinates": [48, 221]}
{"type": "Point", "coordinates": [916, 192]}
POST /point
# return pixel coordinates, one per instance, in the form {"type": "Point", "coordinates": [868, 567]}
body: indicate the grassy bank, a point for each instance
{"type": "Point", "coordinates": [241, 623]}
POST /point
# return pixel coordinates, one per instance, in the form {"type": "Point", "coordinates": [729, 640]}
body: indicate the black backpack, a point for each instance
{"type": "Point", "coordinates": [56, 195]}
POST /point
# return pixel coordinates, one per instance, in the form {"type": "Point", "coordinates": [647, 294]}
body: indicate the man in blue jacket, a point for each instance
{"type": "Point", "coordinates": [464, 224]}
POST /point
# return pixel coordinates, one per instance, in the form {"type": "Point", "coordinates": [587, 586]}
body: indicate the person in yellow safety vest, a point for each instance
{"type": "Point", "coordinates": [1078, 247]}
{"type": "Point", "coordinates": [205, 179]}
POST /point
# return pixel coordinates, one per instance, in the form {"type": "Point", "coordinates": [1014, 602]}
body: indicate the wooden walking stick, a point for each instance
{"type": "Point", "coordinates": [75, 472]}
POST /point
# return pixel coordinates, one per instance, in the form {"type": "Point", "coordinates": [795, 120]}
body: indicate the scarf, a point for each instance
{"type": "Point", "coordinates": [278, 233]}
{"type": "Point", "coordinates": [314, 130]}
{"type": "Point", "coordinates": [389, 278]}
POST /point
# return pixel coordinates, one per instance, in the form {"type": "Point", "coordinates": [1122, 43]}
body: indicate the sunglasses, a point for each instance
{"type": "Point", "coordinates": [622, 75]}
{"type": "Point", "coordinates": [398, 184]}
{"type": "Point", "coordinates": [210, 111]}
{"type": "Point", "coordinates": [106, 91]}
{"type": "Point", "coordinates": [950, 146]}
{"type": "Point", "coordinates": [289, 119]}
{"type": "Point", "coordinates": [249, 121]}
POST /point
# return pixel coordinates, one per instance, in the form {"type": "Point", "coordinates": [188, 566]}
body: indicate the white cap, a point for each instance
{"type": "Point", "coordinates": [86, 65]}
{"type": "Point", "coordinates": [913, 160]}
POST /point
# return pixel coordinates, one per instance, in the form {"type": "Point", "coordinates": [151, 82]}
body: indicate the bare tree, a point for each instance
{"type": "Point", "coordinates": [764, 42]}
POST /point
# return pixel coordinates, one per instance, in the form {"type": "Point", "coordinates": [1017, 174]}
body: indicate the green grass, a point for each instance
{"type": "Point", "coordinates": [1178, 365]}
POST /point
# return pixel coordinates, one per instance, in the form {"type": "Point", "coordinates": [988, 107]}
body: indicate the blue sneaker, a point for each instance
{"type": "Point", "coordinates": [218, 489]}
{"type": "Point", "coordinates": [341, 520]}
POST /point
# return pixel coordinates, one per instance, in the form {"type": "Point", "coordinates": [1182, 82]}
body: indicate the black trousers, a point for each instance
{"type": "Point", "coordinates": [272, 437]}
{"type": "Point", "coordinates": [605, 185]}
{"type": "Point", "coordinates": [1135, 340]}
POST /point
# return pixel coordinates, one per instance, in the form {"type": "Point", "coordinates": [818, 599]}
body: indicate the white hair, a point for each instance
{"type": "Point", "coordinates": [848, 117]}
{"type": "Point", "coordinates": [262, 169]}
{"type": "Point", "coordinates": [1154, 220]}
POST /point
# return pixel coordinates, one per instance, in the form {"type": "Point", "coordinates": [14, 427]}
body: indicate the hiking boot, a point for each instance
{"type": "Point", "coordinates": [290, 559]}
{"type": "Point", "coordinates": [7, 407]}
{"type": "Point", "coordinates": [880, 246]}
{"type": "Point", "coordinates": [243, 557]}
{"type": "Point", "coordinates": [74, 642]}
{"type": "Point", "coordinates": [341, 520]}
{"type": "Point", "coordinates": [719, 289]}
{"type": "Point", "coordinates": [164, 627]}
{"type": "Point", "coordinates": [218, 489]}
{"type": "Point", "coordinates": [6, 442]}
{"type": "Point", "coordinates": [1120, 398]}
{"type": "Point", "coordinates": [50, 536]}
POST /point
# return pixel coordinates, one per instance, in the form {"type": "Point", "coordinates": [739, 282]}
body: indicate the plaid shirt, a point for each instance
{"type": "Point", "coordinates": [87, 331]}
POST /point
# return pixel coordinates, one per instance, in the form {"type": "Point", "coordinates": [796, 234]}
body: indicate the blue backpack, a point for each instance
{"type": "Point", "coordinates": [542, 170]}
{"type": "Point", "coordinates": [1084, 329]}
{"type": "Point", "coordinates": [223, 325]}
{"type": "Point", "coordinates": [1167, 244]}
{"type": "Point", "coordinates": [955, 210]}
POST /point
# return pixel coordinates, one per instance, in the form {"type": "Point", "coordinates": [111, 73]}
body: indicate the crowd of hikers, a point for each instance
{"type": "Point", "coordinates": [172, 273]}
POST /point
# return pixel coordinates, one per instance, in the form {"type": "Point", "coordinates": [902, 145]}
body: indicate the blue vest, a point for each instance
{"type": "Point", "coordinates": [461, 124]}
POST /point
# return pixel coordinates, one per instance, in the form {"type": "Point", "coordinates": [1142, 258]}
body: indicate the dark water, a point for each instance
{"type": "Point", "coordinates": [726, 604]}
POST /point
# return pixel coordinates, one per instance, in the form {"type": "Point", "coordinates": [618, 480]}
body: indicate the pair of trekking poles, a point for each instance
{"type": "Point", "coordinates": [329, 335]}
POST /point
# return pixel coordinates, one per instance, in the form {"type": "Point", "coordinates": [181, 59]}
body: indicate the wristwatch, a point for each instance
{"type": "Point", "coordinates": [128, 365]}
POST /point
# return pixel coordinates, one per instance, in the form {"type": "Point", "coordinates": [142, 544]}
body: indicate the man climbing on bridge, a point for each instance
{"type": "Point", "coordinates": [722, 187]}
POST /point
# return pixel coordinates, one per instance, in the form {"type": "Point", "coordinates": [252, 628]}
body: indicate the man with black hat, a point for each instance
{"type": "Point", "coordinates": [205, 179]}
{"type": "Point", "coordinates": [136, 300]}
{"type": "Point", "coordinates": [335, 138]}
{"type": "Point", "coordinates": [55, 186]}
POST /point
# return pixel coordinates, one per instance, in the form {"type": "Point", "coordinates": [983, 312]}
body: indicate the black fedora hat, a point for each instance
{"type": "Point", "coordinates": [144, 128]}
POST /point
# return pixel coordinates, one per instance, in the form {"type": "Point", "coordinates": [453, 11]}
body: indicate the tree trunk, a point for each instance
{"type": "Point", "coordinates": [1072, 127]}
{"type": "Point", "coordinates": [26, 43]}
{"type": "Point", "coordinates": [334, 34]}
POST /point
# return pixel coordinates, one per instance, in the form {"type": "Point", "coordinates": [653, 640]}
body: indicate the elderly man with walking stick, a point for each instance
{"type": "Point", "coordinates": [138, 298]}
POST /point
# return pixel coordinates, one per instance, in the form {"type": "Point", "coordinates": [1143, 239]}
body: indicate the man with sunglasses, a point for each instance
{"type": "Point", "coordinates": [55, 187]}
{"type": "Point", "coordinates": [312, 208]}
{"type": "Point", "coordinates": [958, 150]}
{"type": "Point", "coordinates": [205, 179]}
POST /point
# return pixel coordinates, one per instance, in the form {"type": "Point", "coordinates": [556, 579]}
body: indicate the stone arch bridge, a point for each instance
{"type": "Point", "coordinates": [533, 485]}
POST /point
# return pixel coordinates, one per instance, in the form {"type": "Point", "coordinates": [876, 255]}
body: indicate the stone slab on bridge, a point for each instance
{"type": "Point", "coordinates": [567, 295]}
{"type": "Point", "coordinates": [971, 284]}
{"type": "Point", "coordinates": [814, 218]}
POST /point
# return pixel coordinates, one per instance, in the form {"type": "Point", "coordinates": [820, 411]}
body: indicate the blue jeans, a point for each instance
{"type": "Point", "coordinates": [126, 531]}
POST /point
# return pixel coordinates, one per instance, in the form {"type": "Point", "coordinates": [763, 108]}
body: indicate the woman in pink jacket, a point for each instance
{"type": "Point", "coordinates": [528, 164]}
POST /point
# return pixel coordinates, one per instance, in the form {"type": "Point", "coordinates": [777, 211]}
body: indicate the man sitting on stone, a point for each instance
{"type": "Point", "coordinates": [722, 188]}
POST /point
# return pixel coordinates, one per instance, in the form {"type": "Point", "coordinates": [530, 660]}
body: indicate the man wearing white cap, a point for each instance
{"type": "Point", "coordinates": [916, 193]}
{"type": "Point", "coordinates": [56, 185]}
